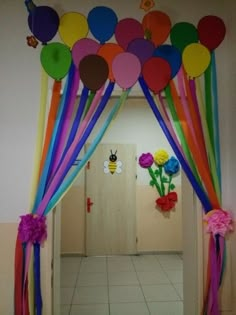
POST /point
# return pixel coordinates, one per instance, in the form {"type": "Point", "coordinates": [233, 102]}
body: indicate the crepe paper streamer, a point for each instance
{"type": "Point", "coordinates": [216, 118]}
{"type": "Point", "coordinates": [93, 71]}
{"type": "Point", "coordinates": [126, 68]}
{"type": "Point", "coordinates": [211, 30]}
{"type": "Point", "coordinates": [196, 59]}
{"type": "Point", "coordinates": [157, 73]}
{"type": "Point", "coordinates": [157, 26]}
{"type": "Point", "coordinates": [200, 193]}
{"type": "Point", "coordinates": [38, 295]}
{"type": "Point", "coordinates": [142, 48]}
{"type": "Point", "coordinates": [28, 250]}
{"type": "Point", "coordinates": [212, 164]}
{"type": "Point", "coordinates": [66, 185]}
{"type": "Point", "coordinates": [40, 135]}
{"type": "Point", "coordinates": [56, 95]}
{"type": "Point", "coordinates": [127, 30]}
{"type": "Point", "coordinates": [179, 126]}
{"type": "Point", "coordinates": [82, 48]}
{"type": "Point", "coordinates": [109, 51]}
{"type": "Point", "coordinates": [102, 22]}
{"type": "Point", "coordinates": [43, 22]}
{"type": "Point", "coordinates": [88, 103]}
{"type": "Point", "coordinates": [73, 26]}
{"type": "Point", "coordinates": [56, 60]}
{"type": "Point", "coordinates": [54, 139]}
{"type": "Point", "coordinates": [74, 150]}
{"type": "Point", "coordinates": [30, 6]}
{"type": "Point", "coordinates": [182, 34]}
{"type": "Point", "coordinates": [65, 128]}
{"type": "Point", "coordinates": [172, 55]}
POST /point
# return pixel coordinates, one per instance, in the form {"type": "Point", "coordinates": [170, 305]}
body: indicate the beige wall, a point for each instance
{"type": "Point", "coordinates": [155, 231]}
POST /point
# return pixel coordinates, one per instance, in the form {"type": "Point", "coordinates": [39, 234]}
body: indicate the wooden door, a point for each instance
{"type": "Point", "coordinates": [111, 200]}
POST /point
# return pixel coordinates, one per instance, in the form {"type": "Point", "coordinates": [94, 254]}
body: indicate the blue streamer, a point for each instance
{"type": "Point", "coordinates": [37, 280]}
{"type": "Point", "coordinates": [47, 163]}
{"type": "Point", "coordinates": [200, 193]}
{"type": "Point", "coordinates": [87, 155]}
{"type": "Point", "coordinates": [216, 119]}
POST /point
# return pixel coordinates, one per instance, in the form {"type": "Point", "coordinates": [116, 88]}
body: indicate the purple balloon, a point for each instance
{"type": "Point", "coordinates": [43, 22]}
{"type": "Point", "coordinates": [142, 48]}
{"type": "Point", "coordinates": [82, 48]}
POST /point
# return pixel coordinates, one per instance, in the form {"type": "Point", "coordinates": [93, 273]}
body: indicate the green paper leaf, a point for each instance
{"type": "Point", "coordinates": [157, 173]}
{"type": "Point", "coordinates": [172, 186]}
{"type": "Point", "coordinates": [152, 183]}
{"type": "Point", "coordinates": [165, 179]}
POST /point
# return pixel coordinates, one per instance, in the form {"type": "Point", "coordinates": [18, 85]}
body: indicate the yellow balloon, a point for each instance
{"type": "Point", "coordinates": [196, 59]}
{"type": "Point", "coordinates": [73, 26]}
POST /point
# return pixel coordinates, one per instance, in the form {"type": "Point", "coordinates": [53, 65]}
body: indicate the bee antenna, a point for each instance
{"type": "Point", "coordinates": [111, 151]}
{"type": "Point", "coordinates": [115, 152]}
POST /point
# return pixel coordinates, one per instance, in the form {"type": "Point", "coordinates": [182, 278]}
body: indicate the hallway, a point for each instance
{"type": "Point", "coordinates": [122, 285]}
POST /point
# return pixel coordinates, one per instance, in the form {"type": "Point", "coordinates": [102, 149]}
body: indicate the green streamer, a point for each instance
{"type": "Point", "coordinates": [180, 133]}
{"type": "Point", "coordinates": [88, 103]}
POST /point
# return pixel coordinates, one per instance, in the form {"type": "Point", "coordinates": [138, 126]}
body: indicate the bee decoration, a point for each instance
{"type": "Point", "coordinates": [112, 166]}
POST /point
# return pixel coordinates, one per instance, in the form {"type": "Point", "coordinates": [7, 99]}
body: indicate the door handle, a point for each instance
{"type": "Point", "coordinates": [89, 204]}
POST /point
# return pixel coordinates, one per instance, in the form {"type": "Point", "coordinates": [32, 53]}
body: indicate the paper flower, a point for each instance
{"type": "Point", "coordinates": [166, 203]}
{"type": "Point", "coordinates": [147, 5]}
{"type": "Point", "coordinates": [172, 167]}
{"type": "Point", "coordinates": [219, 222]}
{"type": "Point", "coordinates": [161, 157]}
{"type": "Point", "coordinates": [32, 228]}
{"type": "Point", "coordinates": [146, 160]}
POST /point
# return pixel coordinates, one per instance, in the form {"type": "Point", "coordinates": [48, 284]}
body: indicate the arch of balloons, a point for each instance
{"type": "Point", "coordinates": [168, 75]}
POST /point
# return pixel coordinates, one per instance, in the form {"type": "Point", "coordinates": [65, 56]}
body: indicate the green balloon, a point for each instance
{"type": "Point", "coordinates": [56, 60]}
{"type": "Point", "coordinates": [182, 34]}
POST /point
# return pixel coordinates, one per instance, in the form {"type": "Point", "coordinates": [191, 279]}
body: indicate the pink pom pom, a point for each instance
{"type": "Point", "coordinates": [219, 222]}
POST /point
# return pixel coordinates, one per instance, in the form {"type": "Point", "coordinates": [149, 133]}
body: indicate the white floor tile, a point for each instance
{"type": "Point", "coordinates": [90, 295]}
{"type": "Point", "coordinates": [70, 264]}
{"type": "Point", "coordinates": [179, 289]}
{"type": "Point", "coordinates": [172, 264]}
{"type": "Point", "coordinates": [65, 309]}
{"type": "Point", "coordinates": [94, 259]}
{"type": "Point", "coordinates": [119, 259]}
{"type": "Point", "coordinates": [92, 266]}
{"type": "Point", "coordinates": [175, 276]}
{"type": "Point", "coordinates": [129, 309]}
{"type": "Point", "coordinates": [152, 277]}
{"type": "Point", "coordinates": [123, 278]}
{"type": "Point", "coordinates": [168, 257]}
{"type": "Point", "coordinates": [66, 296]}
{"type": "Point", "coordinates": [118, 266]}
{"type": "Point", "coordinates": [68, 279]}
{"type": "Point", "coordinates": [92, 279]}
{"type": "Point", "coordinates": [143, 265]}
{"type": "Point", "coordinates": [166, 308]}
{"type": "Point", "coordinates": [124, 294]}
{"type": "Point", "coordinates": [162, 292]}
{"type": "Point", "coordinates": [94, 309]}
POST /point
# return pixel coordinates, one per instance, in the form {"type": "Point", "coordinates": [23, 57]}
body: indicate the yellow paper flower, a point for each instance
{"type": "Point", "coordinates": [161, 157]}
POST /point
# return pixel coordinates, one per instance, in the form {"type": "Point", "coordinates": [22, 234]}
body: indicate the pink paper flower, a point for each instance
{"type": "Point", "coordinates": [32, 228]}
{"type": "Point", "coordinates": [219, 222]}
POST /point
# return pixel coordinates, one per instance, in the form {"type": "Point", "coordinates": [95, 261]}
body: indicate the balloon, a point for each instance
{"type": "Point", "coordinates": [157, 74]}
{"type": "Point", "coordinates": [128, 30]}
{"type": "Point", "coordinates": [109, 51]}
{"type": "Point", "coordinates": [170, 54]}
{"type": "Point", "coordinates": [93, 71]}
{"type": "Point", "coordinates": [157, 26]}
{"type": "Point", "coordinates": [102, 23]}
{"type": "Point", "coordinates": [211, 30]}
{"type": "Point", "coordinates": [56, 60]}
{"type": "Point", "coordinates": [182, 34]}
{"type": "Point", "coordinates": [142, 48]}
{"type": "Point", "coordinates": [73, 26]}
{"type": "Point", "coordinates": [126, 68]}
{"type": "Point", "coordinates": [196, 59]}
{"type": "Point", "coordinates": [82, 48]}
{"type": "Point", "coordinates": [43, 22]}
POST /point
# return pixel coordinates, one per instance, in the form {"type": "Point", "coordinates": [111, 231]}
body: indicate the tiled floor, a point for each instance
{"type": "Point", "coordinates": [122, 285]}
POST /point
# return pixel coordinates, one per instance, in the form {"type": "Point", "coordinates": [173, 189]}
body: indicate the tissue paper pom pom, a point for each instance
{"type": "Point", "coordinates": [219, 222]}
{"type": "Point", "coordinates": [161, 157]}
{"type": "Point", "coordinates": [146, 160]}
{"type": "Point", "coordinates": [171, 167]}
{"type": "Point", "coordinates": [32, 228]}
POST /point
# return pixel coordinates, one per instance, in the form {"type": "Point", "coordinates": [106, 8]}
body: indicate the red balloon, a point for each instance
{"type": "Point", "coordinates": [211, 30]}
{"type": "Point", "coordinates": [157, 74]}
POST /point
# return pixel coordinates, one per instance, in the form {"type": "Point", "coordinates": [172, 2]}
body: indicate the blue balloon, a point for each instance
{"type": "Point", "coordinates": [170, 54]}
{"type": "Point", "coordinates": [102, 22]}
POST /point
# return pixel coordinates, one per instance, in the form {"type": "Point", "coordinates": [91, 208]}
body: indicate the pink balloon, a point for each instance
{"type": "Point", "coordinates": [126, 69]}
{"type": "Point", "coordinates": [83, 48]}
{"type": "Point", "coordinates": [127, 30]}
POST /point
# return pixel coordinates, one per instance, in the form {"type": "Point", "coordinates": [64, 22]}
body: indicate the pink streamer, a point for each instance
{"type": "Point", "coordinates": [69, 153]}
{"type": "Point", "coordinates": [66, 124]}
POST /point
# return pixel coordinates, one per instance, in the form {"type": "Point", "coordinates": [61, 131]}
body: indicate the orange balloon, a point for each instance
{"type": "Point", "coordinates": [109, 51]}
{"type": "Point", "coordinates": [157, 26]}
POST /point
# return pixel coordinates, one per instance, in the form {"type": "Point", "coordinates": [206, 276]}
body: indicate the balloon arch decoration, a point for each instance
{"type": "Point", "coordinates": [185, 107]}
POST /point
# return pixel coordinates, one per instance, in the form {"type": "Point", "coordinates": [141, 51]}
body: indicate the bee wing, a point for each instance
{"type": "Point", "coordinates": [106, 169]}
{"type": "Point", "coordinates": [118, 168]}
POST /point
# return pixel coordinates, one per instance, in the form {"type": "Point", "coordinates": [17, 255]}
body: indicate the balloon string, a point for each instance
{"type": "Point", "coordinates": [66, 185]}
